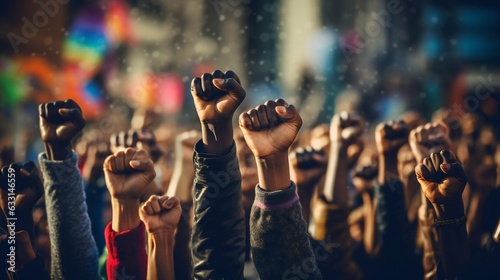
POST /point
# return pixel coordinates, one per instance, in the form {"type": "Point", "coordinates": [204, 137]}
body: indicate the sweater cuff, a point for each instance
{"type": "Point", "coordinates": [126, 245]}
{"type": "Point", "coordinates": [276, 200]}
{"type": "Point", "coordinates": [56, 170]}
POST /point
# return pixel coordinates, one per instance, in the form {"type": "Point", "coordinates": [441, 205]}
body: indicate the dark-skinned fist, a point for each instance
{"type": "Point", "coordinates": [270, 128]}
{"type": "Point", "coordinates": [442, 177]}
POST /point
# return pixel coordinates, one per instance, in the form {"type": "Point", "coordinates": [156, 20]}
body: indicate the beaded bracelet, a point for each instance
{"type": "Point", "coordinates": [450, 222]}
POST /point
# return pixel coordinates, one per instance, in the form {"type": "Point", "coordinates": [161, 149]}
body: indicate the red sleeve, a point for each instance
{"type": "Point", "coordinates": [126, 253]}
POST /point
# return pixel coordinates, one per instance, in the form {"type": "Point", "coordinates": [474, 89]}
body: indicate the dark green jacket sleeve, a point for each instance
{"type": "Point", "coordinates": [280, 243]}
{"type": "Point", "coordinates": [218, 237]}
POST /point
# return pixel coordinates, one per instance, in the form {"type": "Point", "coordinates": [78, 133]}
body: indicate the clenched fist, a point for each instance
{"type": "Point", "coordinates": [308, 165]}
{"type": "Point", "coordinates": [345, 129]}
{"type": "Point", "coordinates": [270, 128]}
{"type": "Point", "coordinates": [161, 213]}
{"type": "Point", "coordinates": [27, 183]}
{"type": "Point", "coordinates": [216, 97]}
{"type": "Point", "coordinates": [391, 136]}
{"type": "Point", "coordinates": [128, 173]}
{"type": "Point", "coordinates": [60, 122]}
{"type": "Point", "coordinates": [428, 138]}
{"type": "Point", "coordinates": [442, 177]}
{"type": "Point", "coordinates": [139, 139]}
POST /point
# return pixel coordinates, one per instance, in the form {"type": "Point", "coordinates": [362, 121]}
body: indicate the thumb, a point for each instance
{"type": "Point", "coordinates": [289, 114]}
{"type": "Point", "coordinates": [453, 169]}
{"type": "Point", "coordinates": [145, 165]}
{"type": "Point", "coordinates": [230, 85]}
{"type": "Point", "coordinates": [171, 203]}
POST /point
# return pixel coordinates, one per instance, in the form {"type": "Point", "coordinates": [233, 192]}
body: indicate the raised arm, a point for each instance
{"type": "Point", "coordinates": [345, 130]}
{"type": "Point", "coordinates": [72, 245]}
{"type": "Point", "coordinates": [161, 215]}
{"type": "Point", "coordinates": [278, 233]}
{"type": "Point", "coordinates": [442, 179]}
{"type": "Point", "coordinates": [218, 238]}
{"type": "Point", "coordinates": [127, 174]}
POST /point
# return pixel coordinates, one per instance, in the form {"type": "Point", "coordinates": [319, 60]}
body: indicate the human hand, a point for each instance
{"type": "Point", "coordinates": [308, 165]}
{"type": "Point", "coordinates": [161, 213]}
{"type": "Point", "coordinates": [442, 178]}
{"type": "Point", "coordinates": [346, 129]}
{"type": "Point", "coordinates": [270, 128]}
{"type": "Point", "coordinates": [128, 173]}
{"type": "Point", "coordinates": [60, 122]}
{"type": "Point", "coordinates": [427, 139]}
{"type": "Point", "coordinates": [27, 186]}
{"type": "Point", "coordinates": [390, 136]}
{"type": "Point", "coordinates": [96, 153]}
{"type": "Point", "coordinates": [216, 97]}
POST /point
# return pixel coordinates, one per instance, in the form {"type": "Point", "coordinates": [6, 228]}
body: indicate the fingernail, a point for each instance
{"type": "Point", "coordinates": [219, 81]}
{"type": "Point", "coordinates": [135, 163]}
{"type": "Point", "coordinates": [168, 204]}
{"type": "Point", "coordinates": [446, 166]}
{"type": "Point", "coordinates": [281, 109]}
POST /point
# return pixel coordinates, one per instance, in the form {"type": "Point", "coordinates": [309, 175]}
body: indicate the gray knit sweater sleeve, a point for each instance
{"type": "Point", "coordinates": [278, 235]}
{"type": "Point", "coordinates": [73, 249]}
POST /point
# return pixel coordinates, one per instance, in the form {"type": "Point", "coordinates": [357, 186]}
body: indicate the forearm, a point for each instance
{"type": "Point", "coordinates": [161, 256]}
{"type": "Point", "coordinates": [274, 172]}
{"type": "Point", "coordinates": [387, 168]}
{"type": "Point", "coordinates": [182, 182]}
{"type": "Point", "coordinates": [72, 244]}
{"type": "Point", "coordinates": [453, 239]}
{"type": "Point", "coordinates": [217, 136]}
{"type": "Point", "coordinates": [275, 215]}
{"type": "Point", "coordinates": [218, 232]}
{"type": "Point", "coordinates": [335, 190]}
{"type": "Point", "coordinates": [369, 232]}
{"type": "Point", "coordinates": [58, 151]}
{"type": "Point", "coordinates": [125, 214]}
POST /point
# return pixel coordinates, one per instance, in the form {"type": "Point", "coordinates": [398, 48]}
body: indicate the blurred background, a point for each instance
{"type": "Point", "coordinates": [129, 63]}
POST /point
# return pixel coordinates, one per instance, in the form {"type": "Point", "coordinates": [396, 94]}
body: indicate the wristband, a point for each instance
{"type": "Point", "coordinates": [451, 222]}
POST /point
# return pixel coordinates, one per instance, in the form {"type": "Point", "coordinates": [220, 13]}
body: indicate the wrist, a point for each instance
{"type": "Point", "coordinates": [387, 168]}
{"type": "Point", "coordinates": [163, 235]}
{"type": "Point", "coordinates": [125, 214]}
{"type": "Point", "coordinates": [58, 150]}
{"type": "Point", "coordinates": [274, 171]}
{"type": "Point", "coordinates": [217, 136]}
{"type": "Point", "coordinates": [449, 210]}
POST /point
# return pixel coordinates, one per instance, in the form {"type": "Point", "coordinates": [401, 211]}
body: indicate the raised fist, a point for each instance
{"type": "Point", "coordinates": [96, 153]}
{"type": "Point", "coordinates": [217, 95]}
{"type": "Point", "coordinates": [308, 165]}
{"type": "Point", "coordinates": [346, 129]}
{"type": "Point", "coordinates": [60, 121]}
{"type": "Point", "coordinates": [390, 136]}
{"type": "Point", "coordinates": [161, 213]}
{"type": "Point", "coordinates": [427, 139]}
{"type": "Point", "coordinates": [124, 139]}
{"type": "Point", "coordinates": [442, 177]}
{"type": "Point", "coordinates": [128, 173]}
{"type": "Point", "coordinates": [270, 128]}
{"type": "Point", "coordinates": [139, 139]}
{"type": "Point", "coordinates": [24, 181]}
